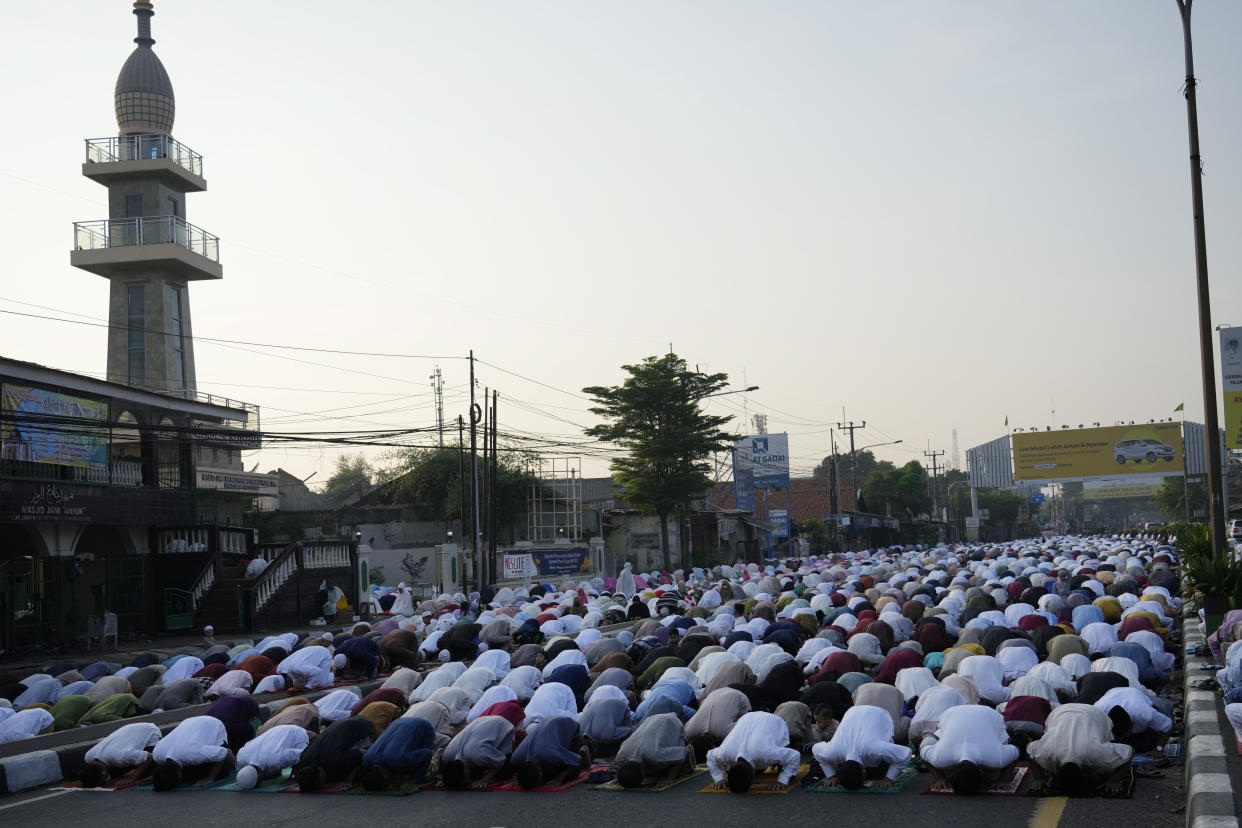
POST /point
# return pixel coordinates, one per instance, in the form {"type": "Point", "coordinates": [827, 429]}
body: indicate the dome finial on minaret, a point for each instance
{"type": "Point", "coordinates": [144, 12]}
{"type": "Point", "coordinates": [144, 95]}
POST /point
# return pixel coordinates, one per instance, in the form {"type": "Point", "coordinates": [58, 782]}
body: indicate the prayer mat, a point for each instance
{"type": "Point", "coordinates": [512, 785]}
{"type": "Point", "coordinates": [615, 786]}
{"type": "Point", "coordinates": [205, 786]}
{"type": "Point", "coordinates": [1049, 788]}
{"type": "Point", "coordinates": [120, 783]}
{"type": "Point", "coordinates": [1006, 787]}
{"type": "Point", "coordinates": [474, 786]}
{"type": "Point", "coordinates": [339, 787]}
{"type": "Point", "coordinates": [907, 775]}
{"type": "Point", "coordinates": [272, 785]}
{"type": "Point", "coordinates": [403, 790]}
{"type": "Point", "coordinates": [765, 783]}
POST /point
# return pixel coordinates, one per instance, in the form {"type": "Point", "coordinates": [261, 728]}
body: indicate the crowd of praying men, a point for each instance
{"type": "Point", "coordinates": [965, 659]}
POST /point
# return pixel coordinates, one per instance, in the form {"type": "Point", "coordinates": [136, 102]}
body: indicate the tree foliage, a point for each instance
{"type": "Point", "coordinates": [1170, 498]}
{"type": "Point", "coordinates": [655, 417]}
{"type": "Point", "coordinates": [860, 466]}
{"type": "Point", "coordinates": [431, 478]}
{"type": "Point", "coordinates": [353, 474]}
{"type": "Point", "coordinates": [900, 492]}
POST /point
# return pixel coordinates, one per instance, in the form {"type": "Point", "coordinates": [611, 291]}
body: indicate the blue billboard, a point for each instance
{"type": "Point", "coordinates": [743, 484]}
{"type": "Point", "coordinates": [567, 561]}
{"type": "Point", "coordinates": [767, 457]}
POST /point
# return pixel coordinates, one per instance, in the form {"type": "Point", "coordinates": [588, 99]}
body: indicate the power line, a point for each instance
{"type": "Point", "coordinates": [220, 341]}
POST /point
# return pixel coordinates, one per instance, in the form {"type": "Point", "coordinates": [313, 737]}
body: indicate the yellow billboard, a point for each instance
{"type": "Point", "coordinates": [1112, 451]}
{"type": "Point", "coordinates": [1231, 385]}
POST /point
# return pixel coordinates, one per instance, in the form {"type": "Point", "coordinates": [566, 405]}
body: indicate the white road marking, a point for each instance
{"type": "Point", "coordinates": [34, 799]}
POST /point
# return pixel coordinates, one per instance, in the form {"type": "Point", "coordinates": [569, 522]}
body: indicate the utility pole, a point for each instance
{"type": "Point", "coordinates": [461, 477]}
{"type": "Point", "coordinates": [851, 426]}
{"type": "Point", "coordinates": [476, 414]}
{"type": "Point", "coordinates": [834, 491]}
{"type": "Point", "coordinates": [1216, 498]}
{"type": "Point", "coordinates": [935, 492]}
{"type": "Point", "coordinates": [485, 538]}
{"type": "Point", "coordinates": [437, 388]}
{"type": "Point", "coordinates": [493, 525]}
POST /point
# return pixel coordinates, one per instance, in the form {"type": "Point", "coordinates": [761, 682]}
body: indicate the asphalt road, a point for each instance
{"type": "Point", "coordinates": [1156, 803]}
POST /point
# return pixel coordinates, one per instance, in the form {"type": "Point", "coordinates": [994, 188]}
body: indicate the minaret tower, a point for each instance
{"type": "Point", "coordinates": [145, 247]}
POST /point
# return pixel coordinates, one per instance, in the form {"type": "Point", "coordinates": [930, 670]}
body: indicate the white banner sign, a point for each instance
{"type": "Point", "coordinates": [519, 566]}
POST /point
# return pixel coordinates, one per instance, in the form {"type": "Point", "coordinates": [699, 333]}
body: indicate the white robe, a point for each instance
{"type": "Point", "coordinates": [762, 739]}
{"type": "Point", "coordinates": [232, 683]}
{"type": "Point", "coordinates": [550, 701]}
{"type": "Point", "coordinates": [625, 583]}
{"type": "Point", "coordinates": [865, 735]}
{"type": "Point", "coordinates": [125, 747]}
{"type": "Point", "coordinates": [1079, 733]}
{"type": "Point", "coordinates": [442, 676]}
{"type": "Point", "coordinates": [196, 741]}
{"type": "Point", "coordinates": [310, 667]}
{"type": "Point", "coordinates": [970, 733]}
{"type": "Point", "coordinates": [523, 680]}
{"type": "Point", "coordinates": [987, 674]}
{"type": "Point", "coordinates": [274, 749]}
{"type": "Point", "coordinates": [338, 704]}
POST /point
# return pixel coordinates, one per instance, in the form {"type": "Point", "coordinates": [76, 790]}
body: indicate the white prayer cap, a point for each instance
{"type": "Point", "coordinates": [339, 661]}
{"type": "Point", "coordinates": [248, 777]}
{"type": "Point", "coordinates": [209, 628]}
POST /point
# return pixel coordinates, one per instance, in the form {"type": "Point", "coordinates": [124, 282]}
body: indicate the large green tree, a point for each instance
{"type": "Point", "coordinates": [1170, 499]}
{"type": "Point", "coordinates": [353, 474]}
{"type": "Point", "coordinates": [430, 477]}
{"type": "Point", "coordinates": [655, 417]}
{"type": "Point", "coordinates": [860, 466]}
{"type": "Point", "coordinates": [902, 491]}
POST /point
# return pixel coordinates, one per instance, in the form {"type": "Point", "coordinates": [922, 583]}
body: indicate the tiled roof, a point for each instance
{"type": "Point", "coordinates": [809, 498]}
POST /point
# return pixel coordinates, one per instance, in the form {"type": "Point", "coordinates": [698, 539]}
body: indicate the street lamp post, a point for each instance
{"type": "Point", "coordinates": [734, 391]}
{"type": "Point", "coordinates": [854, 461]}
{"type": "Point", "coordinates": [854, 464]}
{"type": "Point", "coordinates": [1216, 514]}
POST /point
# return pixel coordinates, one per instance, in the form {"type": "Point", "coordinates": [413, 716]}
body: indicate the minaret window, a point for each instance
{"type": "Point", "coordinates": [175, 329]}
{"type": "Point", "coordinates": [136, 298]}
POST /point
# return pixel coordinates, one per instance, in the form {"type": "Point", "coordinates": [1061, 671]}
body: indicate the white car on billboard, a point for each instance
{"type": "Point", "coordinates": [1143, 449]}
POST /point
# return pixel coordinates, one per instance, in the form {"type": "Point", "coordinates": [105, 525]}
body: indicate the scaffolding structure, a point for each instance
{"type": "Point", "coordinates": [554, 509]}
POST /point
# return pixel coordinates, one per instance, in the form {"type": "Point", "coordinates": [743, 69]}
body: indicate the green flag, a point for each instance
{"type": "Point", "coordinates": [1006, 421]}
{"type": "Point", "coordinates": [1180, 407]}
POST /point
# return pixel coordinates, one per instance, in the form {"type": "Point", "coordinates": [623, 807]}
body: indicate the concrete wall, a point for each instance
{"type": "Point", "coordinates": [635, 538]}
{"type": "Point", "coordinates": [390, 560]}
{"type": "Point", "coordinates": [402, 534]}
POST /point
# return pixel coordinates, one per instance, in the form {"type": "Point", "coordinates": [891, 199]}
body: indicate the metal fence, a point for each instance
{"type": "Point", "coordinates": [143, 148]}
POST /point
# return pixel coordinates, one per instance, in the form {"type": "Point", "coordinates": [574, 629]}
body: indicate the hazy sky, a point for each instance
{"type": "Point", "coordinates": [932, 214]}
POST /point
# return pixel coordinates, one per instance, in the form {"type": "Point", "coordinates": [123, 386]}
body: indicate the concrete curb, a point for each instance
{"type": "Point", "coordinates": [1209, 789]}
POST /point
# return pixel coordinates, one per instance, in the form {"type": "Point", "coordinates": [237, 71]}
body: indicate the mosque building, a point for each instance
{"type": "Point", "coordinates": [122, 496]}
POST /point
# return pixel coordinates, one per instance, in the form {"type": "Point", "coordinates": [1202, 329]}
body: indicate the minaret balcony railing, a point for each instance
{"type": "Point", "coordinates": [108, 233]}
{"type": "Point", "coordinates": [143, 148]}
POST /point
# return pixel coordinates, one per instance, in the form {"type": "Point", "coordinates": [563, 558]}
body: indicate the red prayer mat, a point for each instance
{"type": "Point", "coordinates": [119, 783]}
{"type": "Point", "coordinates": [512, 785]}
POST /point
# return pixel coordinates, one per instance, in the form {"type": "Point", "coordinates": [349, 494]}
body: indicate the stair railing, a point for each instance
{"type": "Point", "coordinates": [278, 572]}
